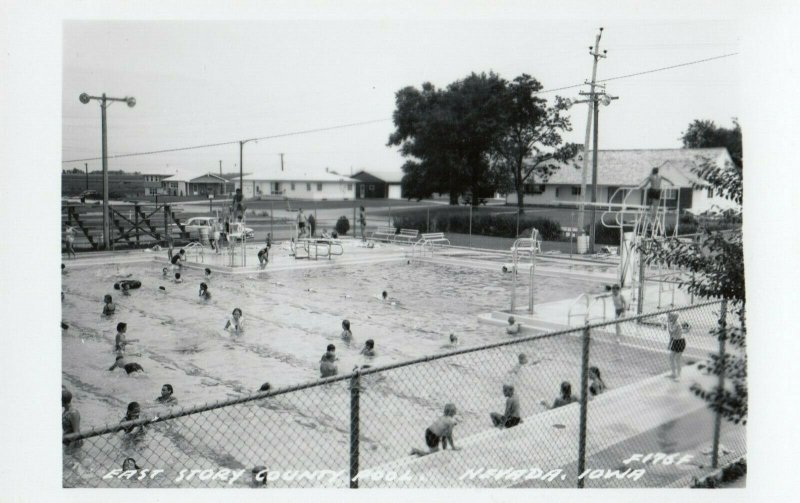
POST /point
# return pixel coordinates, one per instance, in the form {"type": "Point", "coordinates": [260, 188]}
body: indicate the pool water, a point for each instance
{"type": "Point", "coordinates": [290, 317]}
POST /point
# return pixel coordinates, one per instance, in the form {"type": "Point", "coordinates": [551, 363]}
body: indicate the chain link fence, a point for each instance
{"type": "Point", "coordinates": [379, 427]}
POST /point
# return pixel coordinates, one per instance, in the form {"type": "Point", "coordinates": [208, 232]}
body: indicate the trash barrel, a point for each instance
{"type": "Point", "coordinates": [204, 235]}
{"type": "Point", "coordinates": [583, 244]}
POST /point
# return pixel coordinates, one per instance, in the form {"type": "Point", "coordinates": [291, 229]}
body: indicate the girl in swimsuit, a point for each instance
{"type": "Point", "coordinates": [347, 335]}
{"type": "Point", "coordinates": [235, 324]}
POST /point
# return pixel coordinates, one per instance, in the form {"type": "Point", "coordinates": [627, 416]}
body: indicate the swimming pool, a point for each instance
{"type": "Point", "coordinates": [291, 315]}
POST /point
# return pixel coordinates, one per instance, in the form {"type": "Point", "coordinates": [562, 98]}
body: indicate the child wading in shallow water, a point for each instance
{"type": "Point", "coordinates": [440, 430]}
{"type": "Point", "coordinates": [108, 307]}
{"type": "Point", "coordinates": [235, 324]}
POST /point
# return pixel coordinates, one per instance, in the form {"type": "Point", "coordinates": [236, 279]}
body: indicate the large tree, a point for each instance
{"type": "Point", "coordinates": [705, 134]}
{"type": "Point", "coordinates": [531, 146]}
{"type": "Point", "coordinates": [448, 135]}
{"type": "Point", "coordinates": [716, 261]}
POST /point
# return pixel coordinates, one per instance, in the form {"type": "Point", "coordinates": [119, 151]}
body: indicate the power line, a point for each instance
{"type": "Point", "coordinates": [642, 73]}
{"type": "Point", "coordinates": [354, 124]}
{"type": "Point", "coordinates": [209, 145]}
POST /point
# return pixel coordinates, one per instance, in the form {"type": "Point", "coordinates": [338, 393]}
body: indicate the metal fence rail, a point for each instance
{"type": "Point", "coordinates": [358, 429]}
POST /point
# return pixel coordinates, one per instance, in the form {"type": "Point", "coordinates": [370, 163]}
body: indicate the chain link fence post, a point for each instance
{"type": "Point", "coordinates": [584, 404]}
{"type": "Point", "coordinates": [720, 383]}
{"type": "Point", "coordinates": [355, 384]}
{"type": "Point", "coordinates": [427, 219]}
{"type": "Point", "coordinates": [470, 226]}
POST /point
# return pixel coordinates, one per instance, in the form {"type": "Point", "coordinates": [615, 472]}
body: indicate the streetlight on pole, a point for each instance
{"type": "Point", "coordinates": [105, 101]}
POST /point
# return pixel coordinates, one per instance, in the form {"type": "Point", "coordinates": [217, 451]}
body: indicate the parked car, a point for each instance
{"type": "Point", "coordinates": [237, 228]}
{"type": "Point", "coordinates": [194, 225]}
{"type": "Point", "coordinates": [91, 195]}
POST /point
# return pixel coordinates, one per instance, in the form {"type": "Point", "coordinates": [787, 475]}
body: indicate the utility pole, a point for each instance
{"type": "Point", "coordinates": [86, 167]}
{"type": "Point", "coordinates": [595, 52]}
{"type": "Point", "coordinates": [220, 167]}
{"type": "Point", "coordinates": [281, 161]}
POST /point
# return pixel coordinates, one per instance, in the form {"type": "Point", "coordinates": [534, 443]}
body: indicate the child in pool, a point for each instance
{"type": "Point", "coordinates": [177, 278]}
{"type": "Point", "coordinates": [566, 397]}
{"type": "Point", "coordinates": [329, 351]}
{"type": "Point", "coordinates": [130, 367]}
{"type": "Point", "coordinates": [132, 414]}
{"type": "Point", "coordinates": [327, 366]}
{"type": "Point", "coordinates": [440, 430]}
{"type": "Point", "coordinates": [120, 341]}
{"type": "Point", "coordinates": [597, 385]}
{"type": "Point", "coordinates": [347, 335]}
{"type": "Point", "coordinates": [263, 257]}
{"type": "Point", "coordinates": [208, 274]}
{"type": "Point", "coordinates": [235, 324]}
{"type": "Point", "coordinates": [204, 293]}
{"type": "Point", "coordinates": [164, 272]}
{"type": "Point", "coordinates": [166, 395]}
{"type": "Point", "coordinates": [108, 307]}
{"type": "Point", "coordinates": [369, 348]}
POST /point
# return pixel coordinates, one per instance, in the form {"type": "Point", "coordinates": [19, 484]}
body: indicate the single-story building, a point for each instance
{"type": "Point", "coordinates": [119, 184]}
{"type": "Point", "coordinates": [186, 185]}
{"type": "Point", "coordinates": [619, 172]}
{"type": "Point", "coordinates": [318, 186]}
{"type": "Point", "coordinates": [378, 185]}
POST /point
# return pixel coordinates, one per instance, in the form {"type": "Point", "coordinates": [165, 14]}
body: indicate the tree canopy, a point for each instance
{"type": "Point", "coordinates": [706, 134]}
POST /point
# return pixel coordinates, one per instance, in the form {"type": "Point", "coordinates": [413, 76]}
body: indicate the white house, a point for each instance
{"type": "Point", "coordinates": [378, 184]}
{"type": "Point", "coordinates": [619, 172]}
{"type": "Point", "coordinates": [317, 186]}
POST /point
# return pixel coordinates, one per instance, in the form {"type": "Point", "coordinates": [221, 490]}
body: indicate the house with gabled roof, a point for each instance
{"type": "Point", "coordinates": [619, 172]}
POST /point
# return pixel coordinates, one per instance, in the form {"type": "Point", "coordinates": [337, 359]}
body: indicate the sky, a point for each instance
{"type": "Point", "coordinates": [209, 81]}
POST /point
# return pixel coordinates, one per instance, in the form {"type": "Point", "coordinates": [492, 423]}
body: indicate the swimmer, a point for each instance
{"type": "Point", "coordinates": [265, 387]}
{"type": "Point", "coordinates": [263, 257]}
{"type": "Point", "coordinates": [130, 368]}
{"type": "Point", "coordinates": [369, 348]}
{"type": "Point", "coordinates": [347, 335]}
{"type": "Point", "coordinates": [235, 324]}
{"type": "Point", "coordinates": [207, 272]}
{"type": "Point", "coordinates": [120, 342]}
{"type": "Point", "coordinates": [440, 430]}
{"type": "Point", "coordinates": [452, 341]}
{"type": "Point", "coordinates": [129, 465]}
{"type": "Point", "coordinates": [70, 418]}
{"type": "Point", "coordinates": [676, 345]}
{"type": "Point", "coordinates": [329, 351]}
{"type": "Point", "coordinates": [161, 289]}
{"type": "Point", "coordinates": [177, 278]}
{"type": "Point", "coordinates": [132, 414]}
{"type": "Point", "coordinates": [178, 259]}
{"type": "Point", "coordinates": [259, 479]}
{"type": "Point", "coordinates": [166, 395]}
{"type": "Point", "coordinates": [597, 384]}
{"type": "Point", "coordinates": [165, 273]}
{"type": "Point", "coordinates": [513, 327]}
{"type": "Point", "coordinates": [566, 397]}
{"type": "Point", "coordinates": [63, 269]}
{"type": "Point", "coordinates": [69, 241]}
{"type": "Point", "coordinates": [511, 417]}
{"type": "Point", "coordinates": [620, 305]}
{"type": "Point", "coordinates": [108, 306]}
{"type": "Point", "coordinates": [327, 366]}
{"type": "Point", "coordinates": [204, 293]}
{"type": "Point", "coordinates": [64, 326]}
{"type": "Point", "coordinates": [388, 300]}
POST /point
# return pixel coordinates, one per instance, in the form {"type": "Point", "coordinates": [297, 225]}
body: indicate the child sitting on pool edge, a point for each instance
{"type": "Point", "coordinates": [513, 327]}
{"type": "Point", "coordinates": [440, 430]}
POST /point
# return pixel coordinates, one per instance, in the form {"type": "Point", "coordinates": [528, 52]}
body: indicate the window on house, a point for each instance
{"type": "Point", "coordinates": [153, 191]}
{"type": "Point", "coordinates": [308, 187]}
{"type": "Point", "coordinates": [292, 185]}
{"type": "Point", "coordinates": [710, 192]}
{"type": "Point", "coordinates": [670, 194]}
{"type": "Point", "coordinates": [533, 188]}
{"type": "Point", "coordinates": [349, 186]}
{"type": "Point", "coordinates": [319, 186]}
{"type": "Point", "coordinates": [576, 190]}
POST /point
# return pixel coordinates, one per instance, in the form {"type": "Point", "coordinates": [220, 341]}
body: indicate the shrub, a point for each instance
{"type": "Point", "coordinates": [456, 219]}
{"type": "Point", "coordinates": [342, 225]}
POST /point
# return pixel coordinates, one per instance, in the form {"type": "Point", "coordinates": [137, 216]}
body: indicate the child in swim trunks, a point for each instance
{"type": "Point", "coordinates": [347, 335]}
{"type": "Point", "coordinates": [676, 345]}
{"type": "Point", "coordinates": [166, 395]}
{"type": "Point", "coordinates": [440, 431]}
{"type": "Point", "coordinates": [511, 417]}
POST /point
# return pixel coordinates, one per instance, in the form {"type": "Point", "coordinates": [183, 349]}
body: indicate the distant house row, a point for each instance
{"type": "Point", "coordinates": [317, 186]}
{"type": "Point", "coordinates": [621, 171]}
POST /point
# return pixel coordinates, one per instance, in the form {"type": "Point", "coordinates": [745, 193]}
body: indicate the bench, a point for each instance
{"type": "Point", "coordinates": [408, 235]}
{"type": "Point", "coordinates": [383, 233]}
{"type": "Point", "coordinates": [435, 237]}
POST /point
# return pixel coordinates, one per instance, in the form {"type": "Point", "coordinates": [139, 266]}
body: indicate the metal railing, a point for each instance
{"type": "Point", "coordinates": [640, 429]}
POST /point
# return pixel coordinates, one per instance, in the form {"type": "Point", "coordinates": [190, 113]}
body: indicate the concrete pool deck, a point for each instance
{"type": "Point", "coordinates": [621, 422]}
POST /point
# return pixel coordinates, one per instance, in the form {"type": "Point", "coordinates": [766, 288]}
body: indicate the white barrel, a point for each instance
{"type": "Point", "coordinates": [204, 235]}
